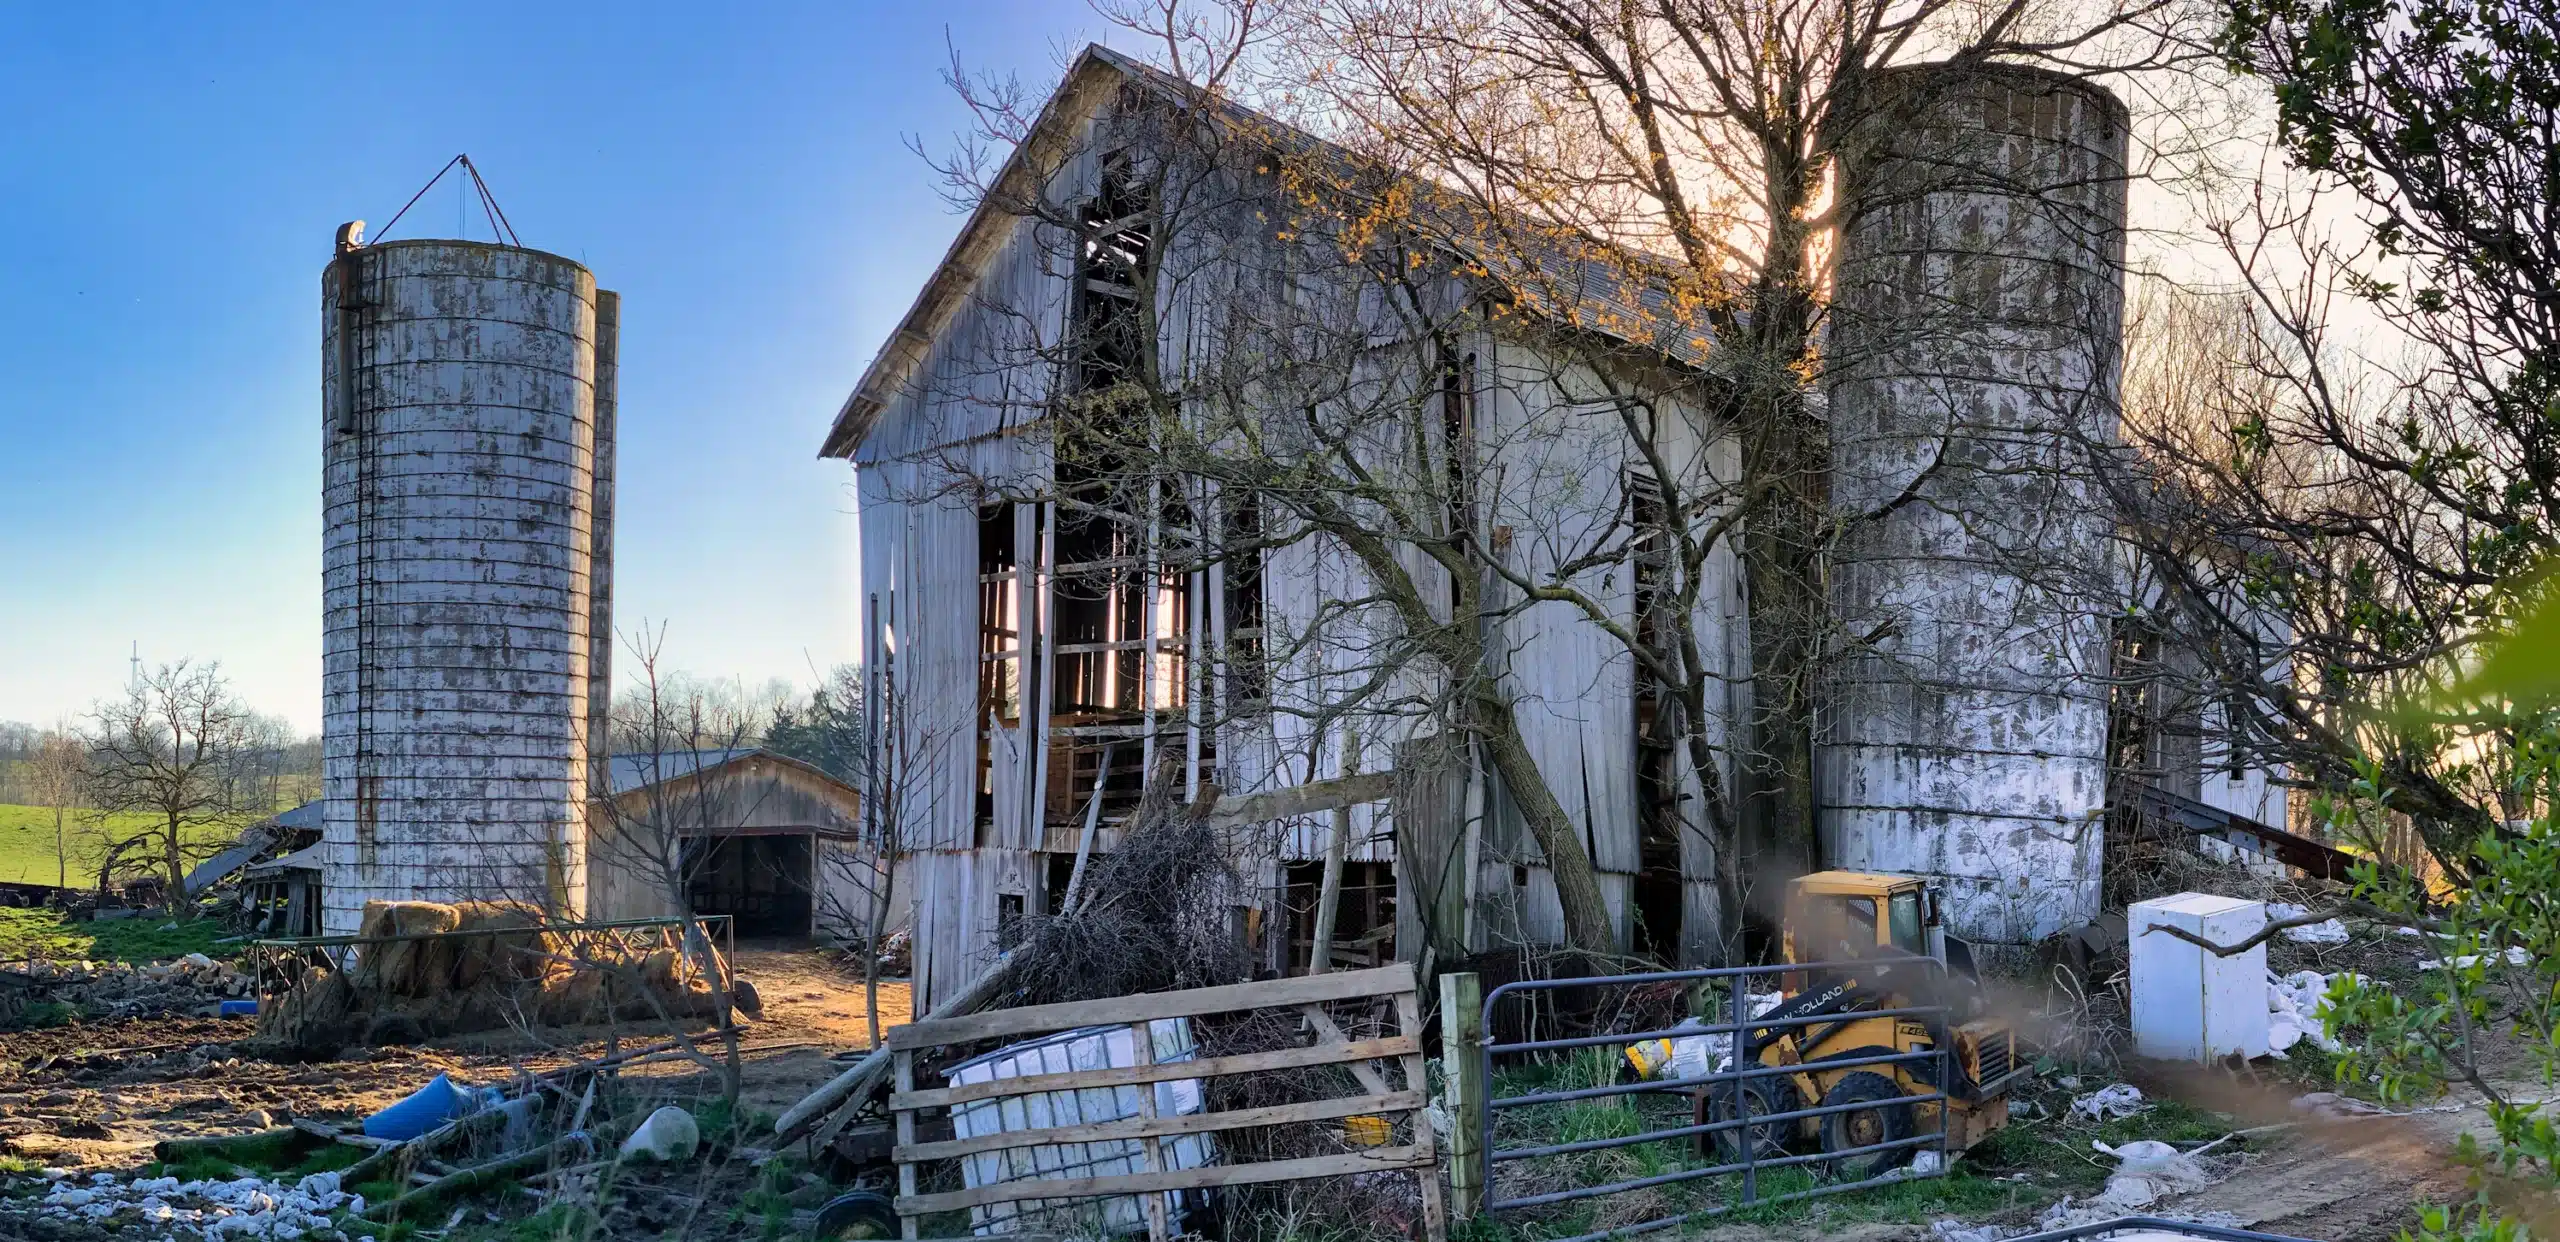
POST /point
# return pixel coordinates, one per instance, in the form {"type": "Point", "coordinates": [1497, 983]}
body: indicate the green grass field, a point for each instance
{"type": "Point", "coordinates": [26, 842]}
{"type": "Point", "coordinates": [28, 934]}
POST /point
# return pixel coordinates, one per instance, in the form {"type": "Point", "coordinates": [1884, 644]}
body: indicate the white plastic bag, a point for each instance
{"type": "Point", "coordinates": [2329, 931]}
{"type": "Point", "coordinates": [668, 1134]}
{"type": "Point", "coordinates": [2110, 1103]}
{"type": "Point", "coordinates": [1693, 1056]}
{"type": "Point", "coordinates": [2297, 1009]}
{"type": "Point", "coordinates": [2147, 1171]}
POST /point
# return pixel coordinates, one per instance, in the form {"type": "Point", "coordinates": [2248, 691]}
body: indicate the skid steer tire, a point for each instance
{"type": "Point", "coordinates": [1723, 1102]}
{"type": "Point", "coordinates": [1865, 1127]}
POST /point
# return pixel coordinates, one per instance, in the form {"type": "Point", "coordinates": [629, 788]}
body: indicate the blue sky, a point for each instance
{"type": "Point", "coordinates": [171, 176]}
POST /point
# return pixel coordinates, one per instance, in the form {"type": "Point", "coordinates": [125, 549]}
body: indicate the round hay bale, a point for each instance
{"type": "Point", "coordinates": [394, 1030]}
{"type": "Point", "coordinates": [402, 967]}
{"type": "Point", "coordinates": [316, 1014]}
{"type": "Point", "coordinates": [521, 954]}
{"type": "Point", "coordinates": [572, 999]}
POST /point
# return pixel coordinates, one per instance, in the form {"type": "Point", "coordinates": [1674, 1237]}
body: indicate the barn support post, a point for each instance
{"type": "Point", "coordinates": [1337, 843]}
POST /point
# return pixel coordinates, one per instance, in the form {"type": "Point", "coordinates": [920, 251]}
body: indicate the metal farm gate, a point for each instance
{"type": "Point", "coordinates": [1499, 1124]}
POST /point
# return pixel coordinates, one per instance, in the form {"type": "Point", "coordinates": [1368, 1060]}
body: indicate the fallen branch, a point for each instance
{"type": "Point", "coordinates": [2276, 926]}
{"type": "Point", "coordinates": [403, 1158]}
{"type": "Point", "coordinates": [328, 1133]}
{"type": "Point", "coordinates": [464, 1181]}
{"type": "Point", "coordinates": [553, 1175]}
{"type": "Point", "coordinates": [171, 1150]}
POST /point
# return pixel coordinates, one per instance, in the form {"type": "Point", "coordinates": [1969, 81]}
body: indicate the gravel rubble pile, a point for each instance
{"type": "Point", "coordinates": [165, 1209]}
{"type": "Point", "coordinates": [186, 985]}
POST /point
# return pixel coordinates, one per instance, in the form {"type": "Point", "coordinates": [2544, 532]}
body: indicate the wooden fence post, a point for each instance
{"type": "Point", "coordinates": [1463, 1073]}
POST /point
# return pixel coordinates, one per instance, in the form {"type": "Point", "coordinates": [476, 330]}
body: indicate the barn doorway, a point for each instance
{"type": "Point", "coordinates": [762, 882]}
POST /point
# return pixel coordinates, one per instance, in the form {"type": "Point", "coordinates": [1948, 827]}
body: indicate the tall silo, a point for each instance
{"type": "Point", "coordinates": [461, 518]}
{"type": "Point", "coordinates": [1974, 362]}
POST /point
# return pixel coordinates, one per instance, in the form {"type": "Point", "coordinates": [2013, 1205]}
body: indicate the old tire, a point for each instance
{"type": "Point", "coordinates": [858, 1217]}
{"type": "Point", "coordinates": [1723, 1101]}
{"type": "Point", "coordinates": [1864, 1127]}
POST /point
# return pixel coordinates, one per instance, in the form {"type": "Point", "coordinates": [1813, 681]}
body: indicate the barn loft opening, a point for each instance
{"type": "Point", "coordinates": [1000, 639]}
{"type": "Point", "coordinates": [1364, 924]}
{"type": "Point", "coordinates": [1658, 880]}
{"type": "Point", "coordinates": [1120, 607]}
{"type": "Point", "coordinates": [1116, 256]}
{"type": "Point", "coordinates": [1242, 591]}
{"type": "Point", "coordinates": [1457, 449]}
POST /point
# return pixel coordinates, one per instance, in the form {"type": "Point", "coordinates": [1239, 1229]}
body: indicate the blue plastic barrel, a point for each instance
{"type": "Point", "coordinates": [239, 1008]}
{"type": "Point", "coordinates": [430, 1106]}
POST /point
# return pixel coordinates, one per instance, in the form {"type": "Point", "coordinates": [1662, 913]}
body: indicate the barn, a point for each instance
{"type": "Point", "coordinates": [1183, 467]}
{"type": "Point", "coordinates": [766, 840]}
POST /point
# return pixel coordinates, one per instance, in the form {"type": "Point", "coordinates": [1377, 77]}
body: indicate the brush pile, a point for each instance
{"type": "Point", "coordinates": [1150, 916]}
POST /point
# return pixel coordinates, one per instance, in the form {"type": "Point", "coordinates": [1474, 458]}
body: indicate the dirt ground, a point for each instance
{"type": "Point", "coordinates": [2348, 1181]}
{"type": "Point", "coordinates": [96, 1096]}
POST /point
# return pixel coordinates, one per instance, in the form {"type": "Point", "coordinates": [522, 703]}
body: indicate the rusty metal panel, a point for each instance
{"type": "Point", "coordinates": [459, 526]}
{"type": "Point", "coordinates": [1975, 343]}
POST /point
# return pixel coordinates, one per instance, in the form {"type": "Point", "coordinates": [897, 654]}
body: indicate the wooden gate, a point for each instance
{"type": "Point", "coordinates": [1307, 995]}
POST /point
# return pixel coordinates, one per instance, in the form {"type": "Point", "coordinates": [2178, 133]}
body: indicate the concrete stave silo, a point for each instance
{"type": "Point", "coordinates": [1974, 359]}
{"type": "Point", "coordinates": [460, 499]}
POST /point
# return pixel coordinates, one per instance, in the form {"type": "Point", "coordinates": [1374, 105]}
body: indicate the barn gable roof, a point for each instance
{"type": "Point", "coordinates": [1581, 283]}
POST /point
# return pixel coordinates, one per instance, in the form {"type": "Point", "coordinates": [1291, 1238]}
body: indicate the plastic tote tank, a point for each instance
{"type": "Point", "coordinates": [1092, 1047]}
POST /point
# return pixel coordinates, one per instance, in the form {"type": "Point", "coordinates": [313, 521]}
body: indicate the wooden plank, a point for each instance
{"type": "Point", "coordinates": [906, 1063]}
{"type": "Point", "coordinates": [1150, 1006]}
{"type": "Point", "coordinates": [1327, 1033]}
{"type": "Point", "coordinates": [1329, 895]}
{"type": "Point", "coordinates": [1187, 1123]}
{"type": "Point", "coordinates": [1426, 1173]}
{"type": "Point", "coordinates": [1307, 799]}
{"type": "Point", "coordinates": [1383, 1159]}
{"type": "Point", "coordinates": [1142, 1049]}
{"type": "Point", "coordinates": [1133, 1075]}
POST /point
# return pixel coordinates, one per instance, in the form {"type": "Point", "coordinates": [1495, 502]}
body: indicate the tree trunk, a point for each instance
{"type": "Point", "coordinates": [1722, 835]}
{"type": "Point", "coordinates": [175, 863]}
{"type": "Point", "coordinates": [1586, 912]}
{"type": "Point", "coordinates": [1788, 449]}
{"type": "Point", "coordinates": [1778, 840]}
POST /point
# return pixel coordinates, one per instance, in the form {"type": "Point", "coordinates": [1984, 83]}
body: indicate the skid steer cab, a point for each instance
{"type": "Point", "coordinates": [1887, 946]}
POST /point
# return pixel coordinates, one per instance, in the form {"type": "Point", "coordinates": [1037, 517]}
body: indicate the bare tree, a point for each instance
{"type": "Point", "coordinates": [55, 775]}
{"type": "Point", "coordinates": [1646, 197]}
{"type": "Point", "coordinates": [860, 889]}
{"type": "Point", "coordinates": [174, 750]}
{"type": "Point", "coordinates": [1694, 150]}
{"type": "Point", "coordinates": [667, 795]}
{"type": "Point", "coordinates": [1279, 393]}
